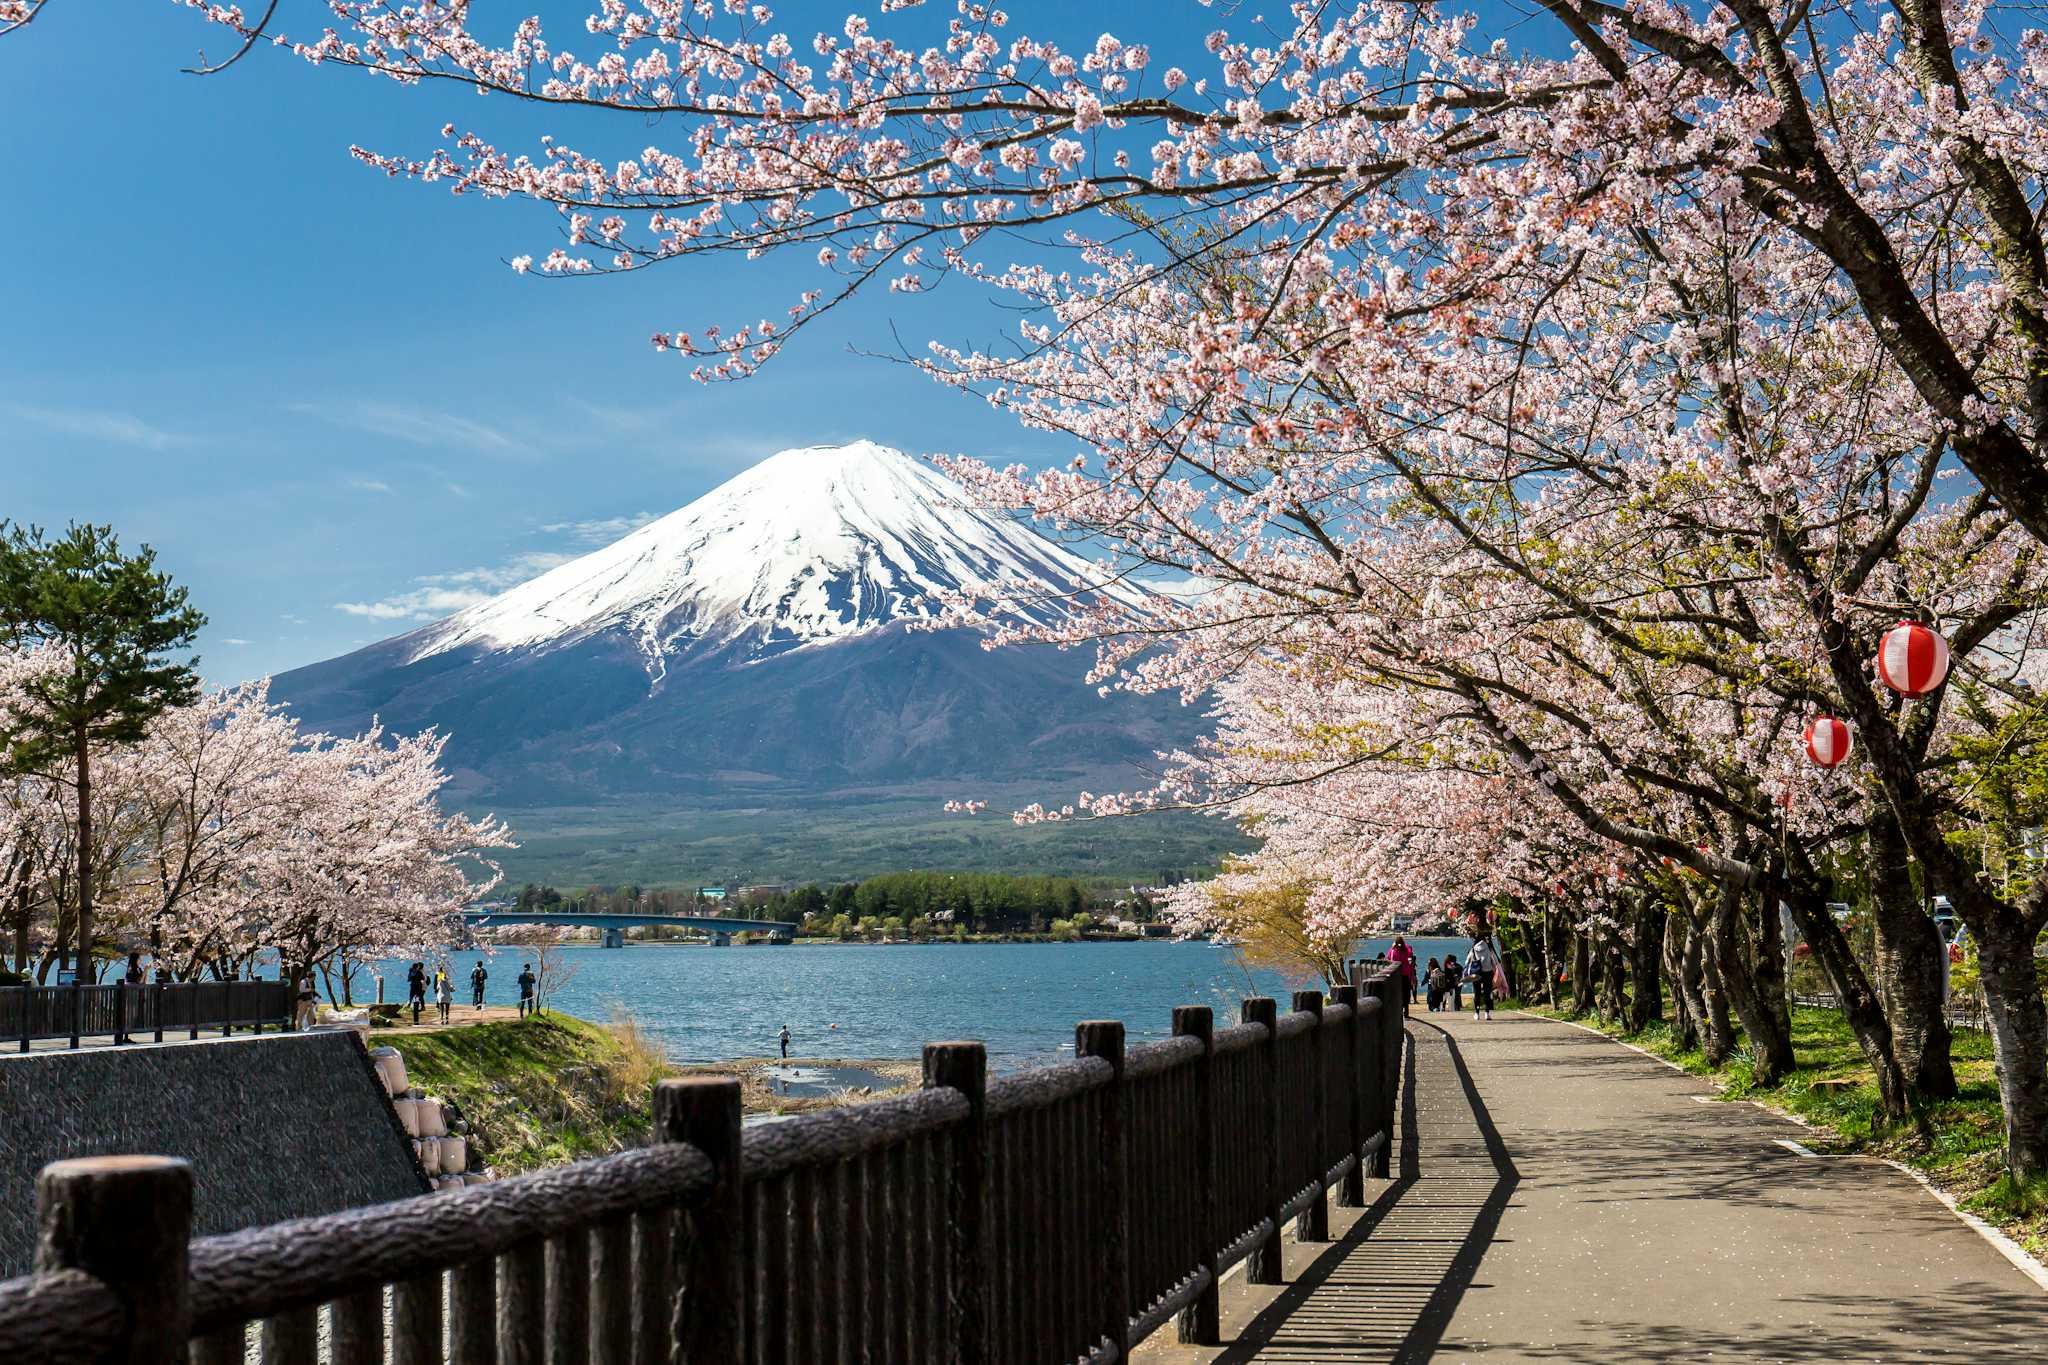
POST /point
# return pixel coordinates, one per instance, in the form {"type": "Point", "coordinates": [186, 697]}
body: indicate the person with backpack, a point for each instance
{"type": "Point", "coordinates": [416, 988]}
{"type": "Point", "coordinates": [526, 985]}
{"type": "Point", "coordinates": [1456, 974]}
{"type": "Point", "coordinates": [1437, 978]}
{"type": "Point", "coordinates": [477, 977]}
{"type": "Point", "coordinates": [1479, 968]}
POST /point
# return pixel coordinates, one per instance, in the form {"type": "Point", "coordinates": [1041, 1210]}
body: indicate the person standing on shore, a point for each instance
{"type": "Point", "coordinates": [1403, 958]}
{"type": "Point", "coordinates": [444, 995]}
{"type": "Point", "coordinates": [416, 988]}
{"type": "Point", "coordinates": [477, 977]}
{"type": "Point", "coordinates": [785, 1042]}
{"type": "Point", "coordinates": [526, 982]}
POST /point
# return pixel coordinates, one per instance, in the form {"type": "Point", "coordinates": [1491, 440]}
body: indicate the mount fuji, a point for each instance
{"type": "Point", "coordinates": [761, 638]}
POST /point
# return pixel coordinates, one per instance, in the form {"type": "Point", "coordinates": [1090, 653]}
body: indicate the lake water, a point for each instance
{"type": "Point", "coordinates": [1021, 999]}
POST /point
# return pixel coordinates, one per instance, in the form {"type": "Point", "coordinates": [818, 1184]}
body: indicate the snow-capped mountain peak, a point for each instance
{"type": "Point", "coordinates": [809, 545]}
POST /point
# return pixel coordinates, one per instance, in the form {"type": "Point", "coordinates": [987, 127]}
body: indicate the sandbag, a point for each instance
{"type": "Point", "coordinates": [391, 1067]}
{"type": "Point", "coordinates": [408, 1114]}
{"type": "Point", "coordinates": [454, 1154]}
{"type": "Point", "coordinates": [433, 1118]}
{"type": "Point", "coordinates": [429, 1150]}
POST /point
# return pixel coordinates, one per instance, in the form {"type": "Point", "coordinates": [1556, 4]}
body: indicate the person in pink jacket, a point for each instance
{"type": "Point", "coordinates": [1402, 956]}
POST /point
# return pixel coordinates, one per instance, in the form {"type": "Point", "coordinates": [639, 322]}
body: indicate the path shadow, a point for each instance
{"type": "Point", "coordinates": [1414, 1291]}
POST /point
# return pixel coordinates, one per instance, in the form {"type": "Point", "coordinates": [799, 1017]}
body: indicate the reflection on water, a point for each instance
{"type": "Point", "coordinates": [804, 1082]}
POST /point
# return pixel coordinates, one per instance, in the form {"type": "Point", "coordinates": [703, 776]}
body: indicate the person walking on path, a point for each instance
{"type": "Point", "coordinates": [416, 988]}
{"type": "Point", "coordinates": [305, 1008]}
{"type": "Point", "coordinates": [1434, 980]}
{"type": "Point", "coordinates": [1479, 965]}
{"type": "Point", "coordinates": [1403, 957]}
{"type": "Point", "coordinates": [444, 995]}
{"type": "Point", "coordinates": [1456, 973]}
{"type": "Point", "coordinates": [785, 1042]}
{"type": "Point", "coordinates": [526, 984]}
{"type": "Point", "coordinates": [477, 977]}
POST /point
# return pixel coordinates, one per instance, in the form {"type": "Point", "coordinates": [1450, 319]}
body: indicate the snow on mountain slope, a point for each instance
{"type": "Point", "coordinates": [809, 545]}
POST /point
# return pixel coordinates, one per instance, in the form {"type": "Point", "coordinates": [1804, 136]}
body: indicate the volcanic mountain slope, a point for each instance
{"type": "Point", "coordinates": [759, 635]}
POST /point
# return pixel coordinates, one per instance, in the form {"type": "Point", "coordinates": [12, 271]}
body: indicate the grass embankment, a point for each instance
{"type": "Point", "coordinates": [554, 1088]}
{"type": "Point", "coordinates": [537, 1091]}
{"type": "Point", "coordinates": [1957, 1144]}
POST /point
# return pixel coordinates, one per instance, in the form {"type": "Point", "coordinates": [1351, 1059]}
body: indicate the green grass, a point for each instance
{"type": "Point", "coordinates": [1960, 1147]}
{"type": "Point", "coordinates": [537, 1091]}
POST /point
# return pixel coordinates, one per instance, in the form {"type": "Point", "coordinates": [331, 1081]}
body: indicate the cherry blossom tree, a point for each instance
{"type": "Point", "coordinates": [1597, 405]}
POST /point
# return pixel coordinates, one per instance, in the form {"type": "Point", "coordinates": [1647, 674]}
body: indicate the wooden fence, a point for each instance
{"type": "Point", "coordinates": [152, 1010]}
{"type": "Point", "coordinates": [1059, 1214]}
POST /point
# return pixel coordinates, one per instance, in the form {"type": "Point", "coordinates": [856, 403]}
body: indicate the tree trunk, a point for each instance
{"type": "Point", "coordinates": [1861, 1009]}
{"type": "Point", "coordinates": [1582, 972]}
{"type": "Point", "coordinates": [1646, 999]}
{"type": "Point", "coordinates": [1613, 977]}
{"type": "Point", "coordinates": [82, 754]}
{"type": "Point", "coordinates": [1909, 965]}
{"type": "Point", "coordinates": [1717, 1033]}
{"type": "Point", "coordinates": [2019, 1037]}
{"type": "Point", "coordinates": [1770, 1044]}
{"type": "Point", "coordinates": [1544, 988]}
{"type": "Point", "coordinates": [1767, 966]}
{"type": "Point", "coordinates": [24, 918]}
{"type": "Point", "coordinates": [1685, 1008]}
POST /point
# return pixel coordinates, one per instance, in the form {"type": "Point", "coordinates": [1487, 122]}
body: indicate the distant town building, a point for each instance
{"type": "Point", "coordinates": [711, 893]}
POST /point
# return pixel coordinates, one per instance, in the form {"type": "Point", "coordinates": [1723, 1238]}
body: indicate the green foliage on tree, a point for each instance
{"type": "Point", "coordinates": [114, 621]}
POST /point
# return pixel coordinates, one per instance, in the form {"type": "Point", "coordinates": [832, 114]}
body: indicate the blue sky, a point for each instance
{"type": "Point", "coordinates": [307, 385]}
{"type": "Point", "coordinates": [322, 395]}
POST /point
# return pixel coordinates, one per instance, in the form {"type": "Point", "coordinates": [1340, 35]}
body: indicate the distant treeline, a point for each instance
{"type": "Point", "coordinates": [969, 902]}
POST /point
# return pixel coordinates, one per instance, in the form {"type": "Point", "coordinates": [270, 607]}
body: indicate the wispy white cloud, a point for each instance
{"type": "Point", "coordinates": [370, 486]}
{"type": "Point", "coordinates": [231, 640]}
{"type": "Point", "coordinates": [417, 426]}
{"type": "Point", "coordinates": [436, 595]}
{"type": "Point", "coordinates": [118, 427]}
{"type": "Point", "coordinates": [598, 530]}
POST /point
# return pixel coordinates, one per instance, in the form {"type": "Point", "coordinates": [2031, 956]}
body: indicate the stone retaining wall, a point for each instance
{"type": "Point", "coordinates": [276, 1126]}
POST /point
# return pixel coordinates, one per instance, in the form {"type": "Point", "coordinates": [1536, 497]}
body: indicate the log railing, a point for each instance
{"type": "Point", "coordinates": [147, 1011]}
{"type": "Point", "coordinates": [1063, 1213]}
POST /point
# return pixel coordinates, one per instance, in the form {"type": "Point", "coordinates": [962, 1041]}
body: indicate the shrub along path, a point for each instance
{"type": "Point", "coordinates": [1561, 1198]}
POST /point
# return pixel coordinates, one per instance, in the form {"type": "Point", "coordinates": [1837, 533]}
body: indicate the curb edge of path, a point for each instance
{"type": "Point", "coordinates": [2022, 1260]}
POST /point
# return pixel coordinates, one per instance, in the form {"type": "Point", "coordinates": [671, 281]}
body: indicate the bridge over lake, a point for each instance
{"type": "Point", "coordinates": [721, 928]}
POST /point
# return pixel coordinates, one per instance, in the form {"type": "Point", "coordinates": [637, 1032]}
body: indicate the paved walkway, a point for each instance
{"type": "Point", "coordinates": [1560, 1198]}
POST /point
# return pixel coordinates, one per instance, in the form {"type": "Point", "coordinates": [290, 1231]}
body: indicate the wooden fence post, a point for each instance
{"type": "Point", "coordinates": [1314, 1223]}
{"type": "Point", "coordinates": [964, 1067]}
{"type": "Point", "coordinates": [1393, 1030]}
{"type": "Point", "coordinates": [710, 1289]}
{"type": "Point", "coordinates": [1351, 1193]}
{"type": "Point", "coordinates": [1263, 1267]}
{"type": "Point", "coordinates": [126, 1221]}
{"type": "Point", "coordinates": [1104, 1038]}
{"type": "Point", "coordinates": [1200, 1323]}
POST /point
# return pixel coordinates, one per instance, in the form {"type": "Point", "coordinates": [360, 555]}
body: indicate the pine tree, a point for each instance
{"type": "Point", "coordinates": [114, 620]}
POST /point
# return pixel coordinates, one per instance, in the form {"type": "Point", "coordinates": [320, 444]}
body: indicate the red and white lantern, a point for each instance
{"type": "Point", "coordinates": [1827, 741]}
{"type": "Point", "coordinates": [1912, 659]}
